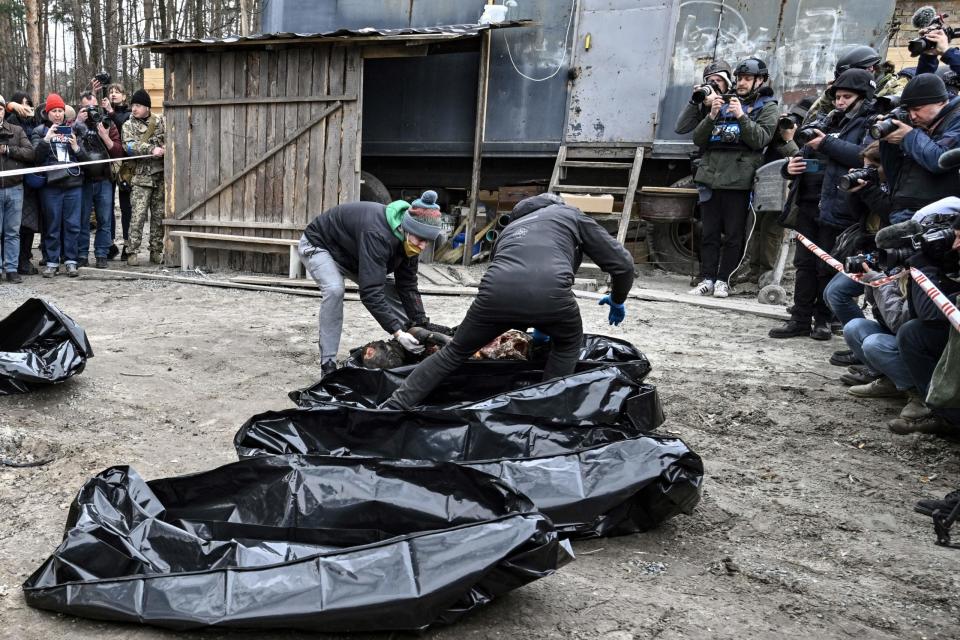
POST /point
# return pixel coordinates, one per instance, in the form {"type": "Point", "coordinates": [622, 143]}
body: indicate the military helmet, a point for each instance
{"type": "Point", "coordinates": [718, 68]}
{"type": "Point", "coordinates": [752, 67]}
{"type": "Point", "coordinates": [856, 57]}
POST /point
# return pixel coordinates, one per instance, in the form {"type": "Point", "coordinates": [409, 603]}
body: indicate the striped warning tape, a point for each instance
{"type": "Point", "coordinates": [833, 262]}
{"type": "Point", "coordinates": [66, 165]}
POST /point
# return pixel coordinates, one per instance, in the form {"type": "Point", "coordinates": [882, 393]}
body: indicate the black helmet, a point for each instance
{"type": "Point", "coordinates": [926, 88]}
{"type": "Point", "coordinates": [718, 68]}
{"type": "Point", "coordinates": [752, 67]}
{"type": "Point", "coordinates": [857, 57]}
{"type": "Point", "coordinates": [856, 80]}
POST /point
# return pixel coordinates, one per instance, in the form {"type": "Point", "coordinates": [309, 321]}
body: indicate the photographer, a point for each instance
{"type": "Point", "coordinates": [910, 151]}
{"type": "Point", "coordinates": [115, 104]}
{"type": "Point", "coordinates": [717, 80]}
{"type": "Point", "coordinates": [56, 143]}
{"type": "Point", "coordinates": [938, 50]}
{"type": "Point", "coordinates": [823, 209]}
{"type": "Point", "coordinates": [20, 113]}
{"type": "Point", "coordinates": [852, 57]}
{"type": "Point", "coordinates": [101, 140]}
{"type": "Point", "coordinates": [732, 137]}
{"type": "Point", "coordinates": [923, 339]}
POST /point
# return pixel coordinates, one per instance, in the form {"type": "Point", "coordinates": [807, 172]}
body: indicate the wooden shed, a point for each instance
{"type": "Point", "coordinates": [264, 133]}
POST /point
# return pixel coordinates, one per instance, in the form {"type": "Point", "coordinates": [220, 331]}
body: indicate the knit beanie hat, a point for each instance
{"type": "Point", "coordinates": [926, 88]}
{"type": "Point", "coordinates": [141, 97]}
{"type": "Point", "coordinates": [422, 219]}
{"type": "Point", "coordinates": [54, 102]}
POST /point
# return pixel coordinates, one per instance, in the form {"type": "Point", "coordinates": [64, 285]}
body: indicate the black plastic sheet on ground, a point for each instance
{"type": "Point", "coordinates": [40, 345]}
{"type": "Point", "coordinates": [607, 387]}
{"type": "Point", "coordinates": [309, 542]}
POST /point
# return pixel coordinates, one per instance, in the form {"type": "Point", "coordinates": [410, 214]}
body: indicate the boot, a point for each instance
{"type": "Point", "coordinates": [327, 368]}
{"type": "Point", "coordinates": [879, 388]}
{"type": "Point", "coordinates": [932, 424]}
{"type": "Point", "coordinates": [821, 331]}
{"type": "Point", "coordinates": [915, 409]}
{"type": "Point", "coordinates": [156, 257]}
{"type": "Point", "coordinates": [123, 254]}
{"type": "Point", "coordinates": [113, 252]}
{"type": "Point", "coordinates": [101, 263]}
{"type": "Point", "coordinates": [13, 277]}
{"type": "Point", "coordinates": [843, 358]}
{"type": "Point", "coordinates": [792, 329]}
{"type": "Point", "coordinates": [133, 260]}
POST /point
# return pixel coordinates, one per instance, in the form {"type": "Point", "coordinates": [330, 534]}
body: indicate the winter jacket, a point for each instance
{"type": "Point", "coordinates": [921, 306]}
{"type": "Point", "coordinates": [842, 150]}
{"type": "Point", "coordinates": [538, 253]}
{"type": "Point", "coordinates": [929, 64]}
{"type": "Point", "coordinates": [20, 154]}
{"type": "Point", "coordinates": [734, 168]}
{"type": "Point", "coordinates": [51, 153]}
{"type": "Point", "coordinates": [96, 150]}
{"type": "Point", "coordinates": [690, 117]}
{"type": "Point", "coordinates": [872, 206]}
{"type": "Point", "coordinates": [915, 177]}
{"type": "Point", "coordinates": [361, 241]}
{"type": "Point", "coordinates": [889, 301]}
{"type": "Point", "coordinates": [120, 116]}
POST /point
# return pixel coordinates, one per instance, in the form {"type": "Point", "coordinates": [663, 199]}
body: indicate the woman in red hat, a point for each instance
{"type": "Point", "coordinates": [56, 144]}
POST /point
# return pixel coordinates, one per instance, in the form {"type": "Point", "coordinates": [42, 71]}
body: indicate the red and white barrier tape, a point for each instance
{"type": "Point", "coordinates": [833, 262]}
{"type": "Point", "coordinates": [939, 299]}
{"type": "Point", "coordinates": [66, 165]}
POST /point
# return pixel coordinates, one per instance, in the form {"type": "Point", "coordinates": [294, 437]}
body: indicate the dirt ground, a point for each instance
{"type": "Point", "coordinates": [806, 526]}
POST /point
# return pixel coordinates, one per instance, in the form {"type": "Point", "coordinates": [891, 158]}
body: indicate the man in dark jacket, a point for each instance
{"type": "Point", "coordinates": [911, 151]}
{"type": "Point", "coordinates": [732, 137]}
{"type": "Point", "coordinates": [20, 113]}
{"type": "Point", "coordinates": [717, 80]}
{"type": "Point", "coordinates": [367, 241]}
{"type": "Point", "coordinates": [529, 284]}
{"type": "Point", "coordinates": [101, 140]}
{"type": "Point", "coordinates": [16, 152]}
{"type": "Point", "coordinates": [823, 209]}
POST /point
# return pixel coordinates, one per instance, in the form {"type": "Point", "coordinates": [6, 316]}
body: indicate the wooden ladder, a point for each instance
{"type": "Point", "coordinates": [628, 192]}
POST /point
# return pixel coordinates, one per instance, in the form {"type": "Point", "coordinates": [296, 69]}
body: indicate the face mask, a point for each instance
{"type": "Point", "coordinates": [411, 249]}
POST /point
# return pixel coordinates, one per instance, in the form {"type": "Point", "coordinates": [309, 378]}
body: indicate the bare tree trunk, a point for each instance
{"type": "Point", "coordinates": [145, 61]}
{"type": "Point", "coordinates": [111, 38]}
{"type": "Point", "coordinates": [96, 37]}
{"type": "Point", "coordinates": [163, 31]}
{"type": "Point", "coordinates": [33, 47]}
{"type": "Point", "coordinates": [82, 63]}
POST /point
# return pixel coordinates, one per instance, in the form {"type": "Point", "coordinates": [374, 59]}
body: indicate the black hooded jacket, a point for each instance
{"type": "Point", "coordinates": [539, 252]}
{"type": "Point", "coordinates": [357, 236]}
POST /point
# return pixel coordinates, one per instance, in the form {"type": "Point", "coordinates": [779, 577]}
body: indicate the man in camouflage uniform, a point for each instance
{"type": "Point", "coordinates": [853, 57]}
{"type": "Point", "coordinates": [143, 134]}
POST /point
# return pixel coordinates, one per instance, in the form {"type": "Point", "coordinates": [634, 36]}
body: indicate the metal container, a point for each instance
{"type": "Point", "coordinates": [769, 187]}
{"type": "Point", "coordinates": [667, 204]}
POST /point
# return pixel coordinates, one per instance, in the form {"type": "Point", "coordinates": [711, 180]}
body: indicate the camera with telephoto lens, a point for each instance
{"type": "Point", "coordinates": [6, 137]}
{"type": "Point", "coordinates": [787, 122]}
{"type": "Point", "coordinates": [870, 175]}
{"type": "Point", "coordinates": [854, 264]}
{"type": "Point", "coordinates": [934, 243]}
{"type": "Point", "coordinates": [885, 123]}
{"type": "Point", "coordinates": [926, 19]}
{"type": "Point", "coordinates": [104, 79]}
{"type": "Point", "coordinates": [809, 131]}
{"type": "Point", "coordinates": [702, 91]}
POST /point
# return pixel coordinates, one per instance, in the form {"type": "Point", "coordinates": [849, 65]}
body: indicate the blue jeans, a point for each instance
{"type": "Point", "coordinates": [841, 295]}
{"type": "Point", "coordinates": [61, 208]}
{"type": "Point", "coordinates": [877, 347]}
{"type": "Point", "coordinates": [11, 208]}
{"type": "Point", "coordinates": [97, 195]}
{"type": "Point", "coordinates": [900, 216]}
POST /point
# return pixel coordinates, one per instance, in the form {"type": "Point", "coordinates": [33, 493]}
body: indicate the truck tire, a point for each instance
{"type": "Point", "coordinates": [674, 246]}
{"type": "Point", "coordinates": [372, 190]}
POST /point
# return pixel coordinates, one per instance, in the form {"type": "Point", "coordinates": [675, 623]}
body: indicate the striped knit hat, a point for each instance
{"type": "Point", "coordinates": [422, 219]}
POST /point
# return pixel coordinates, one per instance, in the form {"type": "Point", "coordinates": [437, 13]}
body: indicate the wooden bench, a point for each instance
{"type": "Point", "coordinates": [199, 240]}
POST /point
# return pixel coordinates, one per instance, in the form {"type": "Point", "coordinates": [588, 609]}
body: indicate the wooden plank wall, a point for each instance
{"type": "Point", "coordinates": [206, 145]}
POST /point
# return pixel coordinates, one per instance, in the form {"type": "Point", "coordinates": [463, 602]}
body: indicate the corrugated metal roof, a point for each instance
{"type": "Point", "coordinates": [427, 34]}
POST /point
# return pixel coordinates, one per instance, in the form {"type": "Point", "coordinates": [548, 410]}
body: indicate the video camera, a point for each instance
{"type": "Point", "coordinates": [883, 124]}
{"type": "Point", "coordinates": [900, 242]}
{"type": "Point", "coordinates": [927, 19]}
{"type": "Point", "coordinates": [870, 175]}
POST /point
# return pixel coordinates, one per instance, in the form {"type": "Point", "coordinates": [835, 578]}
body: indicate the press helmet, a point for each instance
{"type": "Point", "coordinates": [752, 67]}
{"type": "Point", "coordinates": [718, 68]}
{"type": "Point", "coordinates": [856, 57]}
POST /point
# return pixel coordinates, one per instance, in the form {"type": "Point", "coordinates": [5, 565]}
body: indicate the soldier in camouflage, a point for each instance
{"type": "Point", "coordinates": [853, 57]}
{"type": "Point", "coordinates": [143, 134]}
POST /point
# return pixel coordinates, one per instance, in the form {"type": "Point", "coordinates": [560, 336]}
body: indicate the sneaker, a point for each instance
{"type": "Point", "coordinates": [915, 408]}
{"type": "Point", "coordinates": [790, 329]}
{"type": "Point", "coordinates": [880, 388]}
{"type": "Point", "coordinates": [82, 262]}
{"type": "Point", "coordinates": [927, 507]}
{"type": "Point", "coordinates": [327, 368]}
{"type": "Point", "coordinates": [720, 289]}
{"type": "Point", "coordinates": [821, 331]}
{"type": "Point", "coordinates": [13, 277]}
{"type": "Point", "coordinates": [932, 424]}
{"type": "Point", "coordinates": [72, 270]}
{"type": "Point", "coordinates": [861, 374]}
{"type": "Point", "coordinates": [133, 260]}
{"type": "Point", "coordinates": [49, 271]}
{"type": "Point", "coordinates": [101, 263]}
{"type": "Point", "coordinates": [843, 358]}
{"type": "Point", "coordinates": [113, 252]}
{"type": "Point", "coordinates": [705, 288]}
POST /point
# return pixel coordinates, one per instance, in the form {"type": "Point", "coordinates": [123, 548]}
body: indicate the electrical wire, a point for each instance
{"type": "Point", "coordinates": [566, 38]}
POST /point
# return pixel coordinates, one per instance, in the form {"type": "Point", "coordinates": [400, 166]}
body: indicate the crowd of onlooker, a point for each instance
{"type": "Point", "coordinates": [73, 199]}
{"type": "Point", "coordinates": [874, 183]}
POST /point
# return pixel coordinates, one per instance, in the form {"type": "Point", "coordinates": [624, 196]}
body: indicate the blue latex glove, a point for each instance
{"type": "Point", "coordinates": [539, 337]}
{"type": "Point", "coordinates": [617, 311]}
